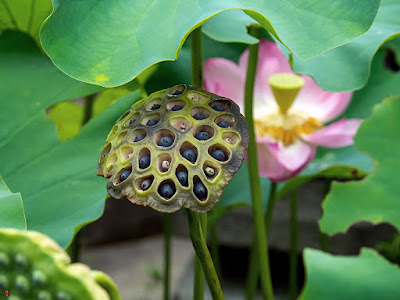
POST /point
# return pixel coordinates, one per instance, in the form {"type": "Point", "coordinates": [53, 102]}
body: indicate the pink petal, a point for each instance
{"type": "Point", "coordinates": [338, 134]}
{"type": "Point", "coordinates": [322, 105]}
{"type": "Point", "coordinates": [225, 78]}
{"type": "Point", "coordinates": [279, 163]}
{"type": "Point", "coordinates": [271, 60]}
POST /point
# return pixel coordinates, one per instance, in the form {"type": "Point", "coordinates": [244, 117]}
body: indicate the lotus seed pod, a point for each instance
{"type": "Point", "coordinates": [32, 266]}
{"type": "Point", "coordinates": [180, 146]}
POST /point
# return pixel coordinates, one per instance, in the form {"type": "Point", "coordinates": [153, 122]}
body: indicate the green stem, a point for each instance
{"type": "Point", "coordinates": [197, 57]}
{"type": "Point", "coordinates": [198, 284]}
{"type": "Point", "coordinates": [293, 247]}
{"type": "Point", "coordinates": [88, 109]}
{"type": "Point", "coordinates": [200, 246]}
{"type": "Point", "coordinates": [167, 253]}
{"type": "Point", "coordinates": [253, 272]}
{"type": "Point", "coordinates": [261, 236]}
{"type": "Point", "coordinates": [214, 248]}
{"type": "Point", "coordinates": [323, 237]}
{"type": "Point", "coordinates": [197, 79]}
{"type": "Point", "coordinates": [254, 268]}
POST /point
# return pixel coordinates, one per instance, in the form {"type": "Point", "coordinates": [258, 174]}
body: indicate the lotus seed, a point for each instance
{"type": "Point", "coordinates": [62, 296]}
{"type": "Point", "coordinates": [139, 138]}
{"type": "Point", "coordinates": [144, 162]}
{"type": "Point", "coordinates": [21, 283]}
{"type": "Point", "coordinates": [132, 121]}
{"type": "Point", "coordinates": [4, 260]}
{"type": "Point", "coordinates": [152, 122]}
{"type": "Point", "coordinates": [155, 106]}
{"type": "Point", "coordinates": [44, 295]}
{"type": "Point", "coordinates": [218, 108]}
{"type": "Point", "coordinates": [165, 141]}
{"type": "Point", "coordinates": [190, 155]}
{"type": "Point", "coordinates": [199, 116]}
{"type": "Point", "coordinates": [165, 165]}
{"type": "Point", "coordinates": [105, 153]}
{"type": "Point", "coordinates": [125, 174]}
{"type": "Point", "coordinates": [176, 107]}
{"type": "Point", "coordinates": [166, 190]}
{"type": "Point", "coordinates": [146, 184]}
{"type": "Point", "coordinates": [38, 278]}
{"type": "Point", "coordinates": [224, 124]}
{"type": "Point", "coordinates": [20, 261]}
{"type": "Point", "coordinates": [218, 155]}
{"type": "Point", "coordinates": [200, 190]}
{"type": "Point", "coordinates": [182, 177]}
{"type": "Point", "coordinates": [202, 136]}
{"type": "Point", "coordinates": [3, 282]}
{"type": "Point", "coordinates": [209, 171]}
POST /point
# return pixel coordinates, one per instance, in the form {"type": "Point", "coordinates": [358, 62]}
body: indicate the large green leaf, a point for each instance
{"type": "Point", "coordinates": [56, 179]}
{"type": "Point", "coordinates": [348, 67]}
{"type": "Point", "coordinates": [230, 26]}
{"type": "Point", "coordinates": [26, 15]}
{"type": "Point", "coordinates": [12, 208]}
{"type": "Point", "coordinates": [367, 276]}
{"type": "Point", "coordinates": [375, 199]}
{"type": "Point", "coordinates": [110, 42]}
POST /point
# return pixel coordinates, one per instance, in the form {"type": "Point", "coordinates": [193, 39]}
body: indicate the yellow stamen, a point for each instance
{"type": "Point", "coordinates": [285, 128]}
{"type": "Point", "coordinates": [285, 87]}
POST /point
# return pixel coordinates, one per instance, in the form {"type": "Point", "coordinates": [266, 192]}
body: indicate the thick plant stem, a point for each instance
{"type": "Point", "coordinates": [197, 79]}
{"type": "Point", "coordinates": [198, 284]}
{"type": "Point", "coordinates": [197, 57]}
{"type": "Point", "coordinates": [200, 246]}
{"type": "Point", "coordinates": [293, 247]}
{"type": "Point", "coordinates": [213, 240]}
{"type": "Point", "coordinates": [88, 109]}
{"type": "Point", "coordinates": [261, 236]}
{"type": "Point", "coordinates": [167, 254]}
{"type": "Point", "coordinates": [254, 268]}
{"type": "Point", "coordinates": [323, 237]}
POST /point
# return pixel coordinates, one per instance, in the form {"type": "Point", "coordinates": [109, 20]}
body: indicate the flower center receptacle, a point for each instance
{"type": "Point", "coordinates": [285, 87]}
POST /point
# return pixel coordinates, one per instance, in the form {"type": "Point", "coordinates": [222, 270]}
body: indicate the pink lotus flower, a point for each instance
{"type": "Point", "coordinates": [287, 134]}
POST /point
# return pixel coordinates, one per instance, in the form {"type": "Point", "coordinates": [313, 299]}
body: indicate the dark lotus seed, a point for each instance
{"type": "Point", "coordinates": [202, 136]}
{"type": "Point", "coordinates": [3, 260]}
{"type": "Point", "coordinates": [132, 121]}
{"type": "Point", "coordinates": [165, 141]}
{"type": "Point", "coordinates": [218, 108]}
{"type": "Point", "coordinates": [139, 138]}
{"type": "Point", "coordinates": [144, 162]}
{"type": "Point", "coordinates": [199, 116]}
{"type": "Point", "coordinates": [155, 106]}
{"type": "Point", "coordinates": [182, 177]}
{"type": "Point", "coordinates": [177, 92]}
{"type": "Point", "coordinates": [176, 107]}
{"type": "Point", "coordinates": [3, 282]}
{"type": "Point", "coordinates": [166, 190]}
{"type": "Point", "coordinates": [152, 122]}
{"type": "Point", "coordinates": [105, 153]}
{"type": "Point", "coordinates": [44, 295]}
{"type": "Point", "coordinates": [218, 155]}
{"type": "Point", "coordinates": [21, 283]}
{"type": "Point", "coordinates": [62, 296]}
{"type": "Point", "coordinates": [190, 155]}
{"type": "Point", "coordinates": [224, 124]}
{"type": "Point", "coordinates": [125, 174]}
{"type": "Point", "coordinates": [200, 190]}
{"type": "Point", "coordinates": [38, 278]}
{"type": "Point", "coordinates": [20, 261]}
{"type": "Point", "coordinates": [146, 184]}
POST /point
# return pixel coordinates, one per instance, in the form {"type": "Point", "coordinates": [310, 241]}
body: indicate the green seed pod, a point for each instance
{"type": "Point", "coordinates": [183, 128]}
{"type": "Point", "coordinates": [34, 267]}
